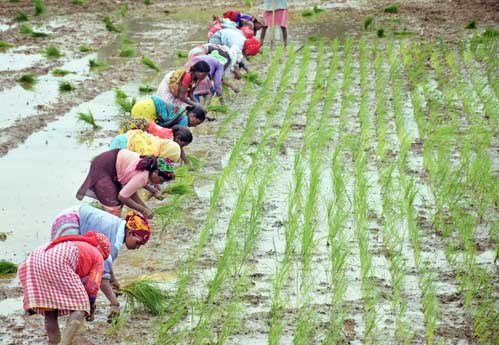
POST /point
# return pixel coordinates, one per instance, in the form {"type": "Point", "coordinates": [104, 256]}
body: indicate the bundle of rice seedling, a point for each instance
{"type": "Point", "coordinates": [52, 52]}
{"type": "Point", "coordinates": [66, 86]}
{"type": "Point", "coordinates": [126, 105]}
{"type": "Point", "coordinates": [60, 72]}
{"type": "Point", "coordinates": [4, 44]}
{"type": "Point", "coordinates": [93, 63]}
{"type": "Point", "coordinates": [150, 63]}
{"type": "Point", "coordinates": [182, 53]}
{"type": "Point", "coordinates": [392, 9]}
{"type": "Point", "coordinates": [109, 25]}
{"type": "Point", "coordinates": [7, 267]}
{"type": "Point", "coordinates": [181, 172]}
{"type": "Point", "coordinates": [127, 52]}
{"type": "Point", "coordinates": [39, 7]}
{"type": "Point", "coordinates": [21, 17]}
{"type": "Point", "coordinates": [28, 78]}
{"type": "Point", "coordinates": [146, 88]}
{"type": "Point", "coordinates": [88, 118]}
{"type": "Point", "coordinates": [84, 48]}
{"type": "Point", "coordinates": [253, 78]}
{"type": "Point", "coordinates": [195, 162]}
{"type": "Point", "coordinates": [219, 108]}
{"type": "Point", "coordinates": [145, 291]}
{"type": "Point", "coordinates": [179, 188]}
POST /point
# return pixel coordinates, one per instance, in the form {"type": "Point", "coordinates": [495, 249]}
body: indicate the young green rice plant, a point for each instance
{"type": "Point", "coordinates": [147, 2]}
{"type": "Point", "coordinates": [120, 94]}
{"type": "Point", "coordinates": [368, 23]}
{"type": "Point", "coordinates": [380, 32]}
{"type": "Point", "coordinates": [94, 63]}
{"type": "Point", "coordinates": [127, 52]}
{"type": "Point", "coordinates": [28, 78]}
{"type": "Point", "coordinates": [60, 72]}
{"type": "Point", "coordinates": [490, 33]}
{"type": "Point", "coordinates": [150, 63]}
{"type": "Point", "coordinates": [169, 212]}
{"type": "Point", "coordinates": [307, 13]}
{"type": "Point", "coordinates": [145, 292]}
{"type": "Point", "coordinates": [66, 86]}
{"type": "Point", "coordinates": [109, 25]}
{"type": "Point", "coordinates": [7, 267]}
{"type": "Point", "coordinates": [123, 102]}
{"type": "Point", "coordinates": [179, 188]}
{"type": "Point", "coordinates": [126, 40]}
{"type": "Point", "coordinates": [4, 45]}
{"type": "Point", "coordinates": [39, 7]}
{"type": "Point", "coordinates": [21, 17]}
{"type": "Point", "coordinates": [316, 9]}
{"type": "Point", "coordinates": [471, 25]}
{"type": "Point", "coordinates": [26, 29]}
{"type": "Point", "coordinates": [252, 77]}
{"type": "Point", "coordinates": [78, 2]}
{"type": "Point", "coordinates": [181, 53]}
{"type": "Point", "coordinates": [13, 1]}
{"type": "Point", "coordinates": [52, 52]}
{"type": "Point", "coordinates": [146, 88]}
{"type": "Point", "coordinates": [84, 48]}
{"type": "Point", "coordinates": [219, 108]}
{"type": "Point", "coordinates": [392, 8]}
{"type": "Point", "coordinates": [88, 118]}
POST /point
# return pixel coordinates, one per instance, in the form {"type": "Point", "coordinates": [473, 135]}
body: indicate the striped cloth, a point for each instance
{"type": "Point", "coordinates": [66, 223]}
{"type": "Point", "coordinates": [49, 280]}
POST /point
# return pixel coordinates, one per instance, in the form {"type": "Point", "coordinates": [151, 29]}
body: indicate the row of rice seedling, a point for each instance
{"type": "Point", "coordinates": [180, 301]}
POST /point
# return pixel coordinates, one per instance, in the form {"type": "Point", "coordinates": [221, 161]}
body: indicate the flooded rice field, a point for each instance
{"type": "Point", "coordinates": [351, 197]}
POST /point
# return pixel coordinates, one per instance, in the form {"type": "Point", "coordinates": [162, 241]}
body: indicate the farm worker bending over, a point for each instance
{"type": "Point", "coordinates": [116, 176]}
{"type": "Point", "coordinates": [133, 231]}
{"type": "Point", "coordinates": [178, 87]}
{"type": "Point", "coordinates": [216, 76]}
{"type": "Point", "coordinates": [276, 13]}
{"type": "Point", "coordinates": [234, 37]}
{"type": "Point", "coordinates": [63, 277]}
{"type": "Point", "coordinates": [167, 114]}
{"type": "Point", "coordinates": [233, 55]}
{"type": "Point", "coordinates": [147, 144]}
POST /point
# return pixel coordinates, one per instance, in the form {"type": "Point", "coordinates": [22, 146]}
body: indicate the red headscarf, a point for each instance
{"type": "Point", "coordinates": [251, 47]}
{"type": "Point", "coordinates": [247, 32]}
{"type": "Point", "coordinates": [97, 240]}
{"type": "Point", "coordinates": [232, 15]}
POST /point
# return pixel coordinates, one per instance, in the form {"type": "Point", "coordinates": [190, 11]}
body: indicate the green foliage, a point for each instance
{"type": "Point", "coordinates": [14, 1]}
{"type": "Point", "coordinates": [66, 86]}
{"type": "Point", "coordinates": [52, 52]}
{"type": "Point", "coordinates": [60, 72]}
{"type": "Point", "coordinates": [146, 292]}
{"type": "Point", "coordinates": [120, 94]}
{"type": "Point", "coordinates": [147, 2]}
{"type": "Point", "coordinates": [146, 88]}
{"type": "Point", "coordinates": [28, 78]}
{"type": "Point", "coordinates": [124, 9]}
{"type": "Point", "coordinates": [125, 40]}
{"type": "Point", "coordinates": [150, 63]}
{"type": "Point", "coordinates": [39, 34]}
{"type": "Point", "coordinates": [26, 29]}
{"type": "Point", "coordinates": [39, 7]}
{"type": "Point", "coordinates": [178, 188]}
{"type": "Point", "coordinates": [404, 33]}
{"type": "Point", "coordinates": [392, 8]}
{"type": "Point", "coordinates": [471, 25]}
{"type": "Point", "coordinates": [94, 63]}
{"type": "Point", "coordinates": [252, 77]}
{"type": "Point", "coordinates": [196, 162]}
{"type": "Point", "coordinates": [368, 22]}
{"type": "Point", "coordinates": [248, 3]}
{"type": "Point", "coordinates": [127, 52]}
{"type": "Point", "coordinates": [380, 32]}
{"type": "Point", "coordinates": [7, 267]}
{"type": "Point", "coordinates": [123, 102]}
{"type": "Point", "coordinates": [21, 17]}
{"type": "Point", "coordinates": [182, 53]}
{"type": "Point", "coordinates": [84, 48]}
{"type": "Point", "coordinates": [490, 33]}
{"type": "Point", "coordinates": [78, 2]}
{"type": "Point", "coordinates": [4, 45]}
{"type": "Point", "coordinates": [88, 118]}
{"type": "Point", "coordinates": [109, 25]}
{"type": "Point", "coordinates": [316, 9]}
{"type": "Point", "coordinates": [166, 11]}
{"type": "Point", "coordinates": [307, 13]}
{"type": "Point", "coordinates": [219, 108]}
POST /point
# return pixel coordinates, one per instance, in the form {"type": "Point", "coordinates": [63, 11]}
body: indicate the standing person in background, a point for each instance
{"type": "Point", "coordinates": [275, 13]}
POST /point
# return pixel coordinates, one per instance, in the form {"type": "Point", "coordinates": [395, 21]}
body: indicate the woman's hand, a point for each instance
{"type": "Point", "coordinates": [158, 195]}
{"type": "Point", "coordinates": [148, 213]}
{"type": "Point", "coordinates": [114, 312]}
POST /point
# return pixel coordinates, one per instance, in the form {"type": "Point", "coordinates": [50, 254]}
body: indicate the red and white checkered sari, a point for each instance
{"type": "Point", "coordinates": [50, 282]}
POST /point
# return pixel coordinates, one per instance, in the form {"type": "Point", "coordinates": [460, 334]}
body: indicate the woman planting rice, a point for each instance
{"type": "Point", "coordinates": [148, 144]}
{"type": "Point", "coordinates": [116, 176]}
{"type": "Point", "coordinates": [63, 277]}
{"type": "Point", "coordinates": [133, 231]}
{"type": "Point", "coordinates": [233, 37]}
{"type": "Point", "coordinates": [233, 55]}
{"type": "Point", "coordinates": [167, 114]}
{"type": "Point", "coordinates": [178, 87]}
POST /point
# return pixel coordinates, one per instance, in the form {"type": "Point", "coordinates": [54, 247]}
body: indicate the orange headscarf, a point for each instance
{"type": "Point", "coordinates": [138, 225]}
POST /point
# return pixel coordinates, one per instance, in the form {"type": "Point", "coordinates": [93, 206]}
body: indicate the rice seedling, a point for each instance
{"type": "Point", "coordinates": [13, 1]}
{"type": "Point", "coordinates": [21, 17]}
{"type": "Point", "coordinates": [39, 7]}
{"type": "Point", "coordinates": [471, 25]}
{"type": "Point", "coordinates": [146, 293]}
{"type": "Point", "coordinates": [181, 53]}
{"type": "Point", "coordinates": [391, 8]}
{"type": "Point", "coordinates": [150, 63]}
{"type": "Point", "coordinates": [380, 32]}
{"type": "Point", "coordinates": [127, 52]}
{"type": "Point", "coordinates": [252, 77]}
{"type": "Point", "coordinates": [124, 9]}
{"type": "Point", "coordinates": [66, 86]}
{"type": "Point", "coordinates": [26, 29]}
{"type": "Point", "coordinates": [490, 33]}
{"type": "Point", "coordinates": [119, 94]}
{"type": "Point", "coordinates": [60, 72]}
{"type": "Point", "coordinates": [307, 13]}
{"type": "Point", "coordinates": [78, 2]}
{"type": "Point", "coordinates": [84, 48]}
{"type": "Point", "coordinates": [39, 34]}
{"type": "Point", "coordinates": [179, 188]}
{"type": "Point", "coordinates": [316, 9]}
{"type": "Point", "coordinates": [368, 23]}
{"type": "Point", "coordinates": [146, 88]}
{"type": "Point", "coordinates": [109, 25]}
{"type": "Point", "coordinates": [88, 118]}
{"type": "Point", "coordinates": [125, 40]}
{"type": "Point", "coordinates": [404, 32]}
{"type": "Point", "coordinates": [28, 78]}
{"type": "Point", "coordinates": [121, 99]}
{"type": "Point", "coordinates": [52, 52]}
{"type": "Point", "coordinates": [7, 267]}
{"type": "Point", "coordinates": [4, 45]}
{"type": "Point", "coordinates": [94, 63]}
{"type": "Point", "coordinates": [147, 2]}
{"type": "Point", "coordinates": [219, 108]}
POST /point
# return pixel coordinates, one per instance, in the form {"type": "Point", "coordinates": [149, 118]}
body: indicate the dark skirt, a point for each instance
{"type": "Point", "coordinates": [102, 180]}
